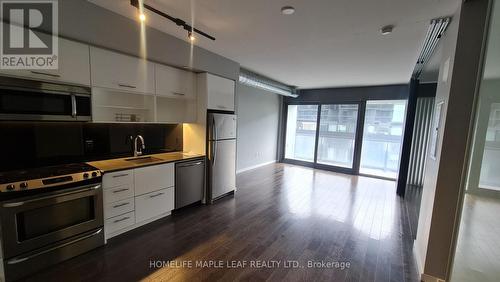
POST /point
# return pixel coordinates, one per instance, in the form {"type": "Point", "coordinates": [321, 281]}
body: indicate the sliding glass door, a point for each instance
{"type": "Point", "coordinates": [358, 138]}
{"type": "Point", "coordinates": [322, 135]}
{"type": "Point", "coordinates": [301, 132]}
{"type": "Point", "coordinates": [337, 135]}
{"type": "Point", "coordinates": [382, 138]}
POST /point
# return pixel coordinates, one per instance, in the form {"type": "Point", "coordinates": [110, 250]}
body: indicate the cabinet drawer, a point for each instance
{"type": "Point", "coordinates": [154, 204]}
{"type": "Point", "coordinates": [152, 178]}
{"type": "Point", "coordinates": [125, 177]}
{"type": "Point", "coordinates": [118, 193]}
{"type": "Point", "coordinates": [119, 222]}
{"type": "Point", "coordinates": [118, 208]}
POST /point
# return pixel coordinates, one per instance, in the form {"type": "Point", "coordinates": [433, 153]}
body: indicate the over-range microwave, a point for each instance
{"type": "Point", "coordinates": [23, 99]}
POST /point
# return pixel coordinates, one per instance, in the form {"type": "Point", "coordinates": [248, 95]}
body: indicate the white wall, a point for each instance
{"type": "Point", "coordinates": [258, 122]}
{"type": "Point", "coordinates": [444, 181]}
{"type": "Point", "coordinates": [432, 165]}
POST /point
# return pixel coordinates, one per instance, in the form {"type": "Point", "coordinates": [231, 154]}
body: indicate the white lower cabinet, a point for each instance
{"type": "Point", "coordinates": [119, 207]}
{"type": "Point", "coordinates": [136, 197]}
{"type": "Point", "coordinates": [118, 193]}
{"type": "Point", "coordinates": [154, 204]}
{"type": "Point", "coordinates": [152, 178]}
{"type": "Point", "coordinates": [118, 223]}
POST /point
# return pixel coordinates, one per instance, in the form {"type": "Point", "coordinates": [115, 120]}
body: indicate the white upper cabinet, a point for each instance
{"type": "Point", "coordinates": [175, 83]}
{"type": "Point", "coordinates": [220, 93]}
{"type": "Point", "coordinates": [73, 66]}
{"type": "Point", "coordinates": [121, 72]}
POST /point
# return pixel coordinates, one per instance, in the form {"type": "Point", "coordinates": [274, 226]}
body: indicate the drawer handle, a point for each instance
{"type": "Point", "coordinates": [191, 164]}
{"type": "Point", "coordinates": [156, 195]}
{"type": "Point", "coordinates": [126, 85]}
{"type": "Point", "coordinates": [120, 175]}
{"type": "Point", "coordinates": [121, 219]}
{"type": "Point", "coordinates": [221, 106]}
{"type": "Point", "coordinates": [48, 74]}
{"type": "Point", "coordinates": [120, 190]}
{"type": "Point", "coordinates": [120, 205]}
{"type": "Point", "coordinates": [178, 93]}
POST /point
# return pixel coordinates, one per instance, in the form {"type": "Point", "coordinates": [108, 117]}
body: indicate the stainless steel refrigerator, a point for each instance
{"type": "Point", "coordinates": [221, 142]}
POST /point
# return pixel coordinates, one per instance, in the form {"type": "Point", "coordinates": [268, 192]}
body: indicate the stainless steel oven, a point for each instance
{"type": "Point", "coordinates": [22, 99]}
{"type": "Point", "coordinates": [40, 230]}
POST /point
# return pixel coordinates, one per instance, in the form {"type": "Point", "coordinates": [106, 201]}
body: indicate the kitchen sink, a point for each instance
{"type": "Point", "coordinates": [143, 160]}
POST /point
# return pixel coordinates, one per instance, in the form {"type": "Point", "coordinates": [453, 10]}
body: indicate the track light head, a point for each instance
{"type": "Point", "coordinates": [191, 36]}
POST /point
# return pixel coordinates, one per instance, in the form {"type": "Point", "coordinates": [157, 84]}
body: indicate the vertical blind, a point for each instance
{"type": "Point", "coordinates": [420, 140]}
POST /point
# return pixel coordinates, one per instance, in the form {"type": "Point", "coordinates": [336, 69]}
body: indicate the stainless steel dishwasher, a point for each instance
{"type": "Point", "coordinates": [189, 182]}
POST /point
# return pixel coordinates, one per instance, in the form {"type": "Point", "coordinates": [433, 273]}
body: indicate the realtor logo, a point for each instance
{"type": "Point", "coordinates": [29, 34]}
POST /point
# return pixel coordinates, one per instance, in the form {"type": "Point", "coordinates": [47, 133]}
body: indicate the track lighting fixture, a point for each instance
{"type": "Point", "coordinates": [177, 21]}
{"type": "Point", "coordinates": [191, 36]}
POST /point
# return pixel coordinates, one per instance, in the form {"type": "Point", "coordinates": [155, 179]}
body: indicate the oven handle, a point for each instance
{"type": "Point", "coordinates": [18, 204]}
{"type": "Point", "coordinates": [21, 259]}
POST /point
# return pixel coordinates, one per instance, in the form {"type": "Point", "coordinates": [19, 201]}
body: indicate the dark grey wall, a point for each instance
{"type": "Point", "coordinates": [351, 94]}
{"type": "Point", "coordinates": [427, 89]}
{"type": "Point", "coordinates": [258, 121]}
{"type": "Point", "coordinates": [83, 21]}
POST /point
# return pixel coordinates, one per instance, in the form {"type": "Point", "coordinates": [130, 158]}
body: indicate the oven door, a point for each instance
{"type": "Point", "coordinates": [36, 222]}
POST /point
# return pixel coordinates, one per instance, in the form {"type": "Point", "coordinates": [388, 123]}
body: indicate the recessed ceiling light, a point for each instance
{"type": "Point", "coordinates": [142, 17]}
{"type": "Point", "coordinates": [386, 30]}
{"type": "Point", "coordinates": [287, 10]}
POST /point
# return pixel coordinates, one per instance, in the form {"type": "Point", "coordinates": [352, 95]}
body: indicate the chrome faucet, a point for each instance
{"type": "Point", "coordinates": [137, 149]}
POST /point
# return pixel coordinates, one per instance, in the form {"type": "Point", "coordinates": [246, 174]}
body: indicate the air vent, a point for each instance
{"type": "Point", "coordinates": [434, 33]}
{"type": "Point", "coordinates": [254, 80]}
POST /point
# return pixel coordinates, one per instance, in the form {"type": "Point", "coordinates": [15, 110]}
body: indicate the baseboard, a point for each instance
{"type": "Point", "coordinates": [254, 166]}
{"type": "Point", "coordinates": [430, 278]}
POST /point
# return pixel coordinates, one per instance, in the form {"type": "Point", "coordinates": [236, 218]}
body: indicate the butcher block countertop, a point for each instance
{"type": "Point", "coordinates": [142, 161]}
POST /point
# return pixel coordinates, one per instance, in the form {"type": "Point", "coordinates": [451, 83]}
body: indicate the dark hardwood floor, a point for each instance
{"type": "Point", "coordinates": [279, 213]}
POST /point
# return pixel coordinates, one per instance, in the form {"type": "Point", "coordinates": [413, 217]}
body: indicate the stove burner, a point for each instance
{"type": "Point", "coordinates": [43, 172]}
{"type": "Point", "coordinates": [47, 177]}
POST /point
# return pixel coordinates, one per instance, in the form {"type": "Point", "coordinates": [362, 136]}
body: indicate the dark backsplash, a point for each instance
{"type": "Point", "coordinates": [35, 144]}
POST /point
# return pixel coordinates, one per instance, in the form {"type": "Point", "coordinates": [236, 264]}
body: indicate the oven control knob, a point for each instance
{"type": "Point", "coordinates": [85, 175]}
{"type": "Point", "coordinates": [94, 174]}
{"type": "Point", "coordinates": [23, 185]}
{"type": "Point", "coordinates": [11, 187]}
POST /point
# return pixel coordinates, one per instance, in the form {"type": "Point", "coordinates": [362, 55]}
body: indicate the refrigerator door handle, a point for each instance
{"type": "Point", "coordinates": [214, 154]}
{"type": "Point", "coordinates": [214, 129]}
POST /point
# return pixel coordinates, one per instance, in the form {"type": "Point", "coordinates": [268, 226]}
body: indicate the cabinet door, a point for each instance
{"type": "Point", "coordinates": [174, 83]}
{"type": "Point", "coordinates": [152, 178]}
{"type": "Point", "coordinates": [73, 66]}
{"type": "Point", "coordinates": [153, 204]}
{"type": "Point", "coordinates": [220, 93]}
{"type": "Point", "coordinates": [117, 71]}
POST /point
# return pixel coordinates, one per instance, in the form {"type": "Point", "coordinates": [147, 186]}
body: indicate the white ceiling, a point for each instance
{"type": "Point", "coordinates": [326, 43]}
